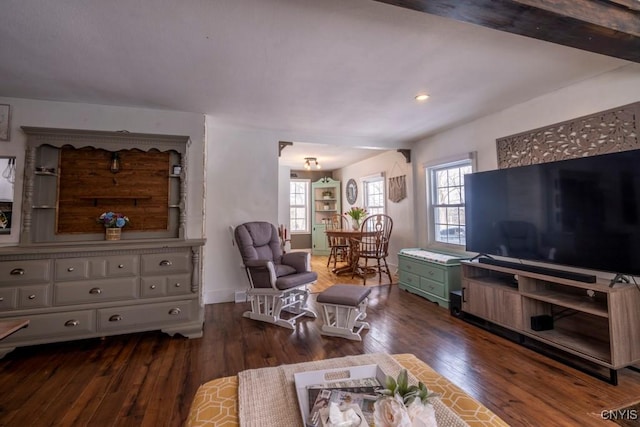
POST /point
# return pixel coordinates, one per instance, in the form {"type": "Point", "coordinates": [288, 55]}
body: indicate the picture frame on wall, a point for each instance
{"type": "Point", "coordinates": [5, 122]}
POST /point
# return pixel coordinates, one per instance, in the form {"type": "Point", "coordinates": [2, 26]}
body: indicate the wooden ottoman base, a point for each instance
{"type": "Point", "coordinates": [344, 307]}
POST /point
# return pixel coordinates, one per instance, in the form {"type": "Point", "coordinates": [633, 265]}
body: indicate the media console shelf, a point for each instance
{"type": "Point", "coordinates": [593, 321]}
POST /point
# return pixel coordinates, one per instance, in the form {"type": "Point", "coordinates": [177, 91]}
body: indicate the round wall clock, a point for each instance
{"type": "Point", "coordinates": [352, 191]}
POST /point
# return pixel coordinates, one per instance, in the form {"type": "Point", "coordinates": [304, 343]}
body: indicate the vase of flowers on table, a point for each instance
{"type": "Point", "coordinates": [402, 405]}
{"type": "Point", "coordinates": [356, 214]}
{"type": "Point", "coordinates": [113, 223]}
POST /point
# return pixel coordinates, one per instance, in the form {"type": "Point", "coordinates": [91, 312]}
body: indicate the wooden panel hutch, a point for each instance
{"type": "Point", "coordinates": [65, 277]}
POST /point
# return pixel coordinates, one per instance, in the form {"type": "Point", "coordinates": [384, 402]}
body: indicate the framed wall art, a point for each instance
{"type": "Point", "coordinates": [5, 122]}
{"type": "Point", "coordinates": [352, 191]}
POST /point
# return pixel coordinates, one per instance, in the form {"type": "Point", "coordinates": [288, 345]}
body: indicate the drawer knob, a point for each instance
{"type": "Point", "coordinates": [95, 291]}
{"type": "Point", "coordinates": [174, 311]}
{"type": "Point", "coordinates": [115, 318]}
{"type": "Point", "coordinates": [1, 299]}
{"type": "Point", "coordinates": [71, 323]}
{"type": "Point", "coordinates": [152, 287]}
{"type": "Point", "coordinates": [17, 272]}
{"type": "Point", "coordinates": [165, 263]}
{"type": "Point", "coordinates": [70, 269]}
{"type": "Point", "coordinates": [177, 285]}
{"type": "Point", "coordinates": [430, 273]}
{"type": "Point", "coordinates": [32, 296]}
{"type": "Point", "coordinates": [121, 266]}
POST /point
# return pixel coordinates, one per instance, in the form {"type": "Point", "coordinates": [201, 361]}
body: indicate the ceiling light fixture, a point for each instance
{"type": "Point", "coordinates": [309, 160]}
{"type": "Point", "coordinates": [422, 97]}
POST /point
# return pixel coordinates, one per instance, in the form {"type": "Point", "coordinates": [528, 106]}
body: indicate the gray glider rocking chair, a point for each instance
{"type": "Point", "coordinates": [277, 282]}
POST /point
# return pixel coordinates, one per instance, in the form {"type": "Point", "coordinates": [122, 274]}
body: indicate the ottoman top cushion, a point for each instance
{"type": "Point", "coordinates": [351, 295]}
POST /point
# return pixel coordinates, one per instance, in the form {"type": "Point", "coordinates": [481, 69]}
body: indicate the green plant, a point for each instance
{"type": "Point", "coordinates": [356, 213]}
{"type": "Point", "coordinates": [408, 393]}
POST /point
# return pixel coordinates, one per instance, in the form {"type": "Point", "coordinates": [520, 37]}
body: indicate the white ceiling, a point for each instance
{"type": "Point", "coordinates": [331, 69]}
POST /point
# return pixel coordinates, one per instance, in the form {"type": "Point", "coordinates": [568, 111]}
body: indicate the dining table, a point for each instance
{"type": "Point", "coordinates": [352, 236]}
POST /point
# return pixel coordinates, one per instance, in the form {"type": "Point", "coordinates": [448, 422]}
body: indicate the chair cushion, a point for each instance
{"type": "Point", "coordinates": [284, 270]}
{"type": "Point", "coordinates": [350, 295]}
{"type": "Point", "coordinates": [293, 280]}
{"type": "Point", "coordinates": [258, 240]}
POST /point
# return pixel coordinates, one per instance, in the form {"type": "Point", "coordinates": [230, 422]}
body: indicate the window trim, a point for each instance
{"type": "Point", "coordinates": [429, 168]}
{"type": "Point", "coordinates": [307, 206]}
{"type": "Point", "coordinates": [380, 176]}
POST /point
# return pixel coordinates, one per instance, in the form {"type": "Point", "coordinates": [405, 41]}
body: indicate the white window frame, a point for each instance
{"type": "Point", "coordinates": [431, 168]}
{"type": "Point", "coordinates": [365, 181]}
{"type": "Point", "coordinates": [306, 206]}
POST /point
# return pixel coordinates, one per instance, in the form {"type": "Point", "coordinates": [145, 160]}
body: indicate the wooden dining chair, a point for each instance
{"type": "Point", "coordinates": [373, 245]}
{"type": "Point", "coordinates": [339, 245]}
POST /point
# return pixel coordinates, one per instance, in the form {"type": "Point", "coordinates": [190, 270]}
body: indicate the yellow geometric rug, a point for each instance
{"type": "Point", "coordinates": [216, 402]}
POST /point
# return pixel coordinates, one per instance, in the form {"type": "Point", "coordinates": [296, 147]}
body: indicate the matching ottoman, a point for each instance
{"type": "Point", "coordinates": [343, 309]}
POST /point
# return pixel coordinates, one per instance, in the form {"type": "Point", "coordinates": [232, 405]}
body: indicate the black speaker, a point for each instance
{"type": "Point", "coordinates": [455, 303]}
{"type": "Point", "coordinates": [543, 322]}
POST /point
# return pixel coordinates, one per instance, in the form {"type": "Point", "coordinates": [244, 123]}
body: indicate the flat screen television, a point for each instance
{"type": "Point", "coordinates": [581, 212]}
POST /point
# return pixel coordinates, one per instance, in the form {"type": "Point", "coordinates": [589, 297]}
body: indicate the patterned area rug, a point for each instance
{"type": "Point", "coordinates": [216, 402]}
{"type": "Point", "coordinates": [267, 396]}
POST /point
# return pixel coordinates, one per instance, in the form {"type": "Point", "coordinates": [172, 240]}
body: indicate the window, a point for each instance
{"type": "Point", "coordinates": [447, 201]}
{"type": "Point", "coordinates": [373, 194]}
{"type": "Point", "coordinates": [299, 205]}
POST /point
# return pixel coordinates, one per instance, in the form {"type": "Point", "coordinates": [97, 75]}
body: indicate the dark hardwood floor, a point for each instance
{"type": "Point", "coordinates": [149, 379]}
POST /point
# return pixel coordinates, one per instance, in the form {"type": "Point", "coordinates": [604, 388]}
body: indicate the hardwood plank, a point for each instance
{"type": "Point", "coordinates": [150, 378]}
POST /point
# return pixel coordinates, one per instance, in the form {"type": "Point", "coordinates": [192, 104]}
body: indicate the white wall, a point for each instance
{"type": "Point", "coordinates": [26, 112]}
{"type": "Point", "coordinates": [392, 164]}
{"type": "Point", "coordinates": [609, 90]}
{"type": "Point", "coordinates": [242, 185]}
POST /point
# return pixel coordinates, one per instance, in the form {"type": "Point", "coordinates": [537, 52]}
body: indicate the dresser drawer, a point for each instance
{"type": "Point", "coordinates": [409, 279]}
{"type": "Point", "coordinates": [434, 288]}
{"type": "Point", "coordinates": [168, 263]}
{"type": "Point", "coordinates": [95, 291]}
{"type": "Point", "coordinates": [151, 287]}
{"type": "Point", "coordinates": [160, 314]}
{"type": "Point", "coordinates": [177, 284]}
{"type": "Point", "coordinates": [33, 271]}
{"type": "Point", "coordinates": [8, 298]}
{"type": "Point", "coordinates": [71, 268]}
{"type": "Point", "coordinates": [56, 325]}
{"type": "Point", "coordinates": [122, 265]}
{"type": "Point", "coordinates": [422, 269]}
{"type": "Point", "coordinates": [98, 267]}
{"type": "Point", "coordinates": [34, 296]}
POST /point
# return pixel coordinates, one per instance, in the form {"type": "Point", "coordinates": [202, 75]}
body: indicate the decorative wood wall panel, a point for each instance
{"type": "Point", "coordinates": [68, 183]}
{"type": "Point", "coordinates": [600, 133]}
{"type": "Point", "coordinates": [88, 188]}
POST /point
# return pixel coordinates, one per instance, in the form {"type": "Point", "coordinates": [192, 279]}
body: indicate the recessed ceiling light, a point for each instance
{"type": "Point", "coordinates": [422, 97]}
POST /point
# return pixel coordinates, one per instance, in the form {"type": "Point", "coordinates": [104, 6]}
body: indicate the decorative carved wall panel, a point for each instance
{"type": "Point", "coordinates": [600, 133]}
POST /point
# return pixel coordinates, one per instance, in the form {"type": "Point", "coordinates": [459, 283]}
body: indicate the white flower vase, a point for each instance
{"type": "Point", "coordinates": [355, 224]}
